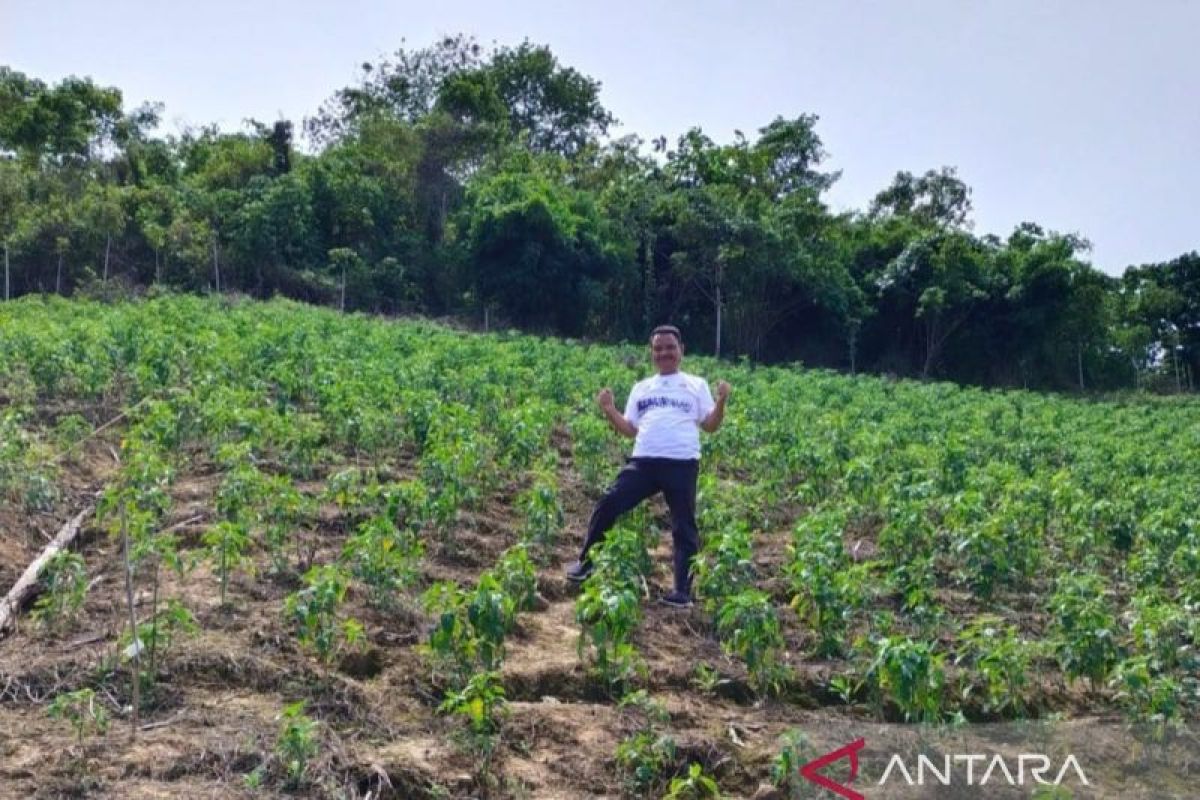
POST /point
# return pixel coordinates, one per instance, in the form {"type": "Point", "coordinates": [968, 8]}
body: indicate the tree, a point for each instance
{"type": "Point", "coordinates": [71, 121]}
{"type": "Point", "coordinates": [937, 199]}
{"type": "Point", "coordinates": [556, 108]}
{"type": "Point", "coordinates": [629, 186]}
{"type": "Point", "coordinates": [13, 210]}
{"type": "Point", "coordinates": [742, 224]}
{"type": "Point", "coordinates": [533, 243]}
{"type": "Point", "coordinates": [155, 206]}
{"type": "Point", "coordinates": [941, 278]}
{"type": "Point", "coordinates": [404, 88]}
{"type": "Point", "coordinates": [1166, 300]}
{"type": "Point", "coordinates": [103, 212]}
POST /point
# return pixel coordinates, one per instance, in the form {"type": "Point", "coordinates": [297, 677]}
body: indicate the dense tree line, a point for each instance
{"type": "Point", "coordinates": [455, 180]}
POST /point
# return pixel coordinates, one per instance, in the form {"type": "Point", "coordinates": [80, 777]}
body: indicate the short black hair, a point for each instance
{"type": "Point", "coordinates": [667, 329]}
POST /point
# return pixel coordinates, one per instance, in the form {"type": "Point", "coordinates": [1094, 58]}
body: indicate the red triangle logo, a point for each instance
{"type": "Point", "coordinates": [811, 770]}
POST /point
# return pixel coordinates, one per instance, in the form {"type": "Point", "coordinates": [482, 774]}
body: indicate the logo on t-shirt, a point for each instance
{"type": "Point", "coordinates": [663, 402]}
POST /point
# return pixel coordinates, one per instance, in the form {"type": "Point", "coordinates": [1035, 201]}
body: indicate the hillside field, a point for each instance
{"type": "Point", "coordinates": [346, 539]}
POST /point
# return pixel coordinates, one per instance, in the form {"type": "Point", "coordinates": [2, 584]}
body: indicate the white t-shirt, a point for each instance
{"type": "Point", "coordinates": [667, 411]}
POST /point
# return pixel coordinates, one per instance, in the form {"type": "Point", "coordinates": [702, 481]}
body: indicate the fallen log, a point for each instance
{"type": "Point", "coordinates": [12, 602]}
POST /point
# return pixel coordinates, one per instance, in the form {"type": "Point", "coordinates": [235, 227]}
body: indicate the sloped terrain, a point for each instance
{"type": "Point", "coordinates": [874, 553]}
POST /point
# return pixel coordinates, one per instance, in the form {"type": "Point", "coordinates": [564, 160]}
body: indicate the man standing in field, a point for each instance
{"type": "Point", "coordinates": [663, 415]}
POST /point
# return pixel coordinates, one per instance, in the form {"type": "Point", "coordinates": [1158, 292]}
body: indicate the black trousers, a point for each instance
{"type": "Point", "coordinates": [642, 478]}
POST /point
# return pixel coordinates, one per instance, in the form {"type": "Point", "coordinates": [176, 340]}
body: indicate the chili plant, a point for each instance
{"type": "Point", "coordinates": [296, 743]}
{"type": "Point", "coordinates": [65, 579]}
{"type": "Point", "coordinates": [384, 558]}
{"type": "Point", "coordinates": [81, 710]}
{"type": "Point", "coordinates": [314, 611]}
{"type": "Point", "coordinates": [749, 628]}
{"type": "Point", "coordinates": [482, 705]}
{"type": "Point", "coordinates": [647, 753]}
{"type": "Point", "coordinates": [227, 543]}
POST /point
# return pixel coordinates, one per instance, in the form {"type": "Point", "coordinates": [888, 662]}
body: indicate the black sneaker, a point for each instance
{"type": "Point", "coordinates": [579, 571]}
{"type": "Point", "coordinates": [677, 599]}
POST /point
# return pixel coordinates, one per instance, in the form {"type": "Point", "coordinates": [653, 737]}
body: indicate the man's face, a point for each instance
{"type": "Point", "coordinates": [667, 352]}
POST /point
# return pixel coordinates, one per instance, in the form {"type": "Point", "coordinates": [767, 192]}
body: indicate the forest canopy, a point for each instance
{"type": "Point", "coordinates": [483, 183]}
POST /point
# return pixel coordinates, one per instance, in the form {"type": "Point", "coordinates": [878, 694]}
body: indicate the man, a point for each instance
{"type": "Point", "coordinates": [664, 416]}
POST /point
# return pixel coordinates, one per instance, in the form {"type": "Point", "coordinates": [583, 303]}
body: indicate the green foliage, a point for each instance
{"type": "Point", "coordinates": [592, 449]}
{"type": "Point", "coordinates": [70, 431]}
{"type": "Point", "coordinates": [533, 243]}
{"type": "Point", "coordinates": [794, 752]}
{"type": "Point", "coordinates": [1084, 628]}
{"type": "Point", "coordinates": [457, 179]}
{"type": "Point", "coordinates": [517, 576]}
{"type": "Point", "coordinates": [543, 514]}
{"type": "Point", "coordinates": [694, 786]}
{"type": "Point", "coordinates": [227, 543]}
{"type": "Point", "coordinates": [481, 704]}
{"type": "Point", "coordinates": [65, 581]}
{"type": "Point", "coordinates": [1145, 692]}
{"type": "Point", "coordinates": [1165, 632]}
{"type": "Point", "coordinates": [523, 435]}
{"type": "Point", "coordinates": [282, 511]}
{"type": "Point", "coordinates": [645, 756]}
{"type": "Point", "coordinates": [609, 608]}
{"type": "Point", "coordinates": [240, 488]}
{"type": "Point", "coordinates": [999, 663]}
{"type": "Point", "coordinates": [452, 645]}
{"type": "Point", "coordinates": [297, 742]}
{"type": "Point", "coordinates": [995, 546]}
{"type": "Point", "coordinates": [81, 710]}
{"type": "Point", "coordinates": [607, 616]}
{"type": "Point", "coordinates": [642, 759]}
{"type": "Point", "coordinates": [883, 480]}
{"type": "Point", "coordinates": [454, 464]}
{"type": "Point", "coordinates": [623, 558]}
{"type": "Point", "coordinates": [828, 589]}
{"type": "Point", "coordinates": [386, 559]}
{"type": "Point", "coordinates": [909, 674]}
{"type": "Point", "coordinates": [314, 612]}
{"type": "Point", "coordinates": [749, 628]}
{"type": "Point", "coordinates": [470, 627]}
{"type": "Point", "coordinates": [490, 613]}
{"type": "Point", "coordinates": [25, 477]}
{"type": "Point", "coordinates": [724, 568]}
{"type": "Point", "coordinates": [156, 635]}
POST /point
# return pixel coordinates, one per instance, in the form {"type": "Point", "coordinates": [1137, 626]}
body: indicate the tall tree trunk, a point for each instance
{"type": "Point", "coordinates": [6, 294]}
{"type": "Point", "coordinates": [1079, 363]}
{"type": "Point", "coordinates": [342, 301]}
{"type": "Point", "coordinates": [853, 350]}
{"type": "Point", "coordinates": [930, 347]}
{"type": "Point", "coordinates": [1175, 364]}
{"type": "Point", "coordinates": [58, 275]}
{"type": "Point", "coordinates": [718, 347]}
{"type": "Point", "coordinates": [216, 265]}
{"type": "Point", "coordinates": [157, 269]}
{"type": "Point", "coordinates": [107, 249]}
{"type": "Point", "coordinates": [649, 290]}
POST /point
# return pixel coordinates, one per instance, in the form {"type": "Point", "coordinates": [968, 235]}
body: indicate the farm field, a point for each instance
{"type": "Point", "coordinates": [346, 539]}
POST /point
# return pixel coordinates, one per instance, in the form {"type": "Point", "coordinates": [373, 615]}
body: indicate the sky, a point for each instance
{"type": "Point", "coordinates": [1080, 115]}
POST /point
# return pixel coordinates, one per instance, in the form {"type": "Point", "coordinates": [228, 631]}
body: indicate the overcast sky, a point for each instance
{"type": "Point", "coordinates": [1082, 116]}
